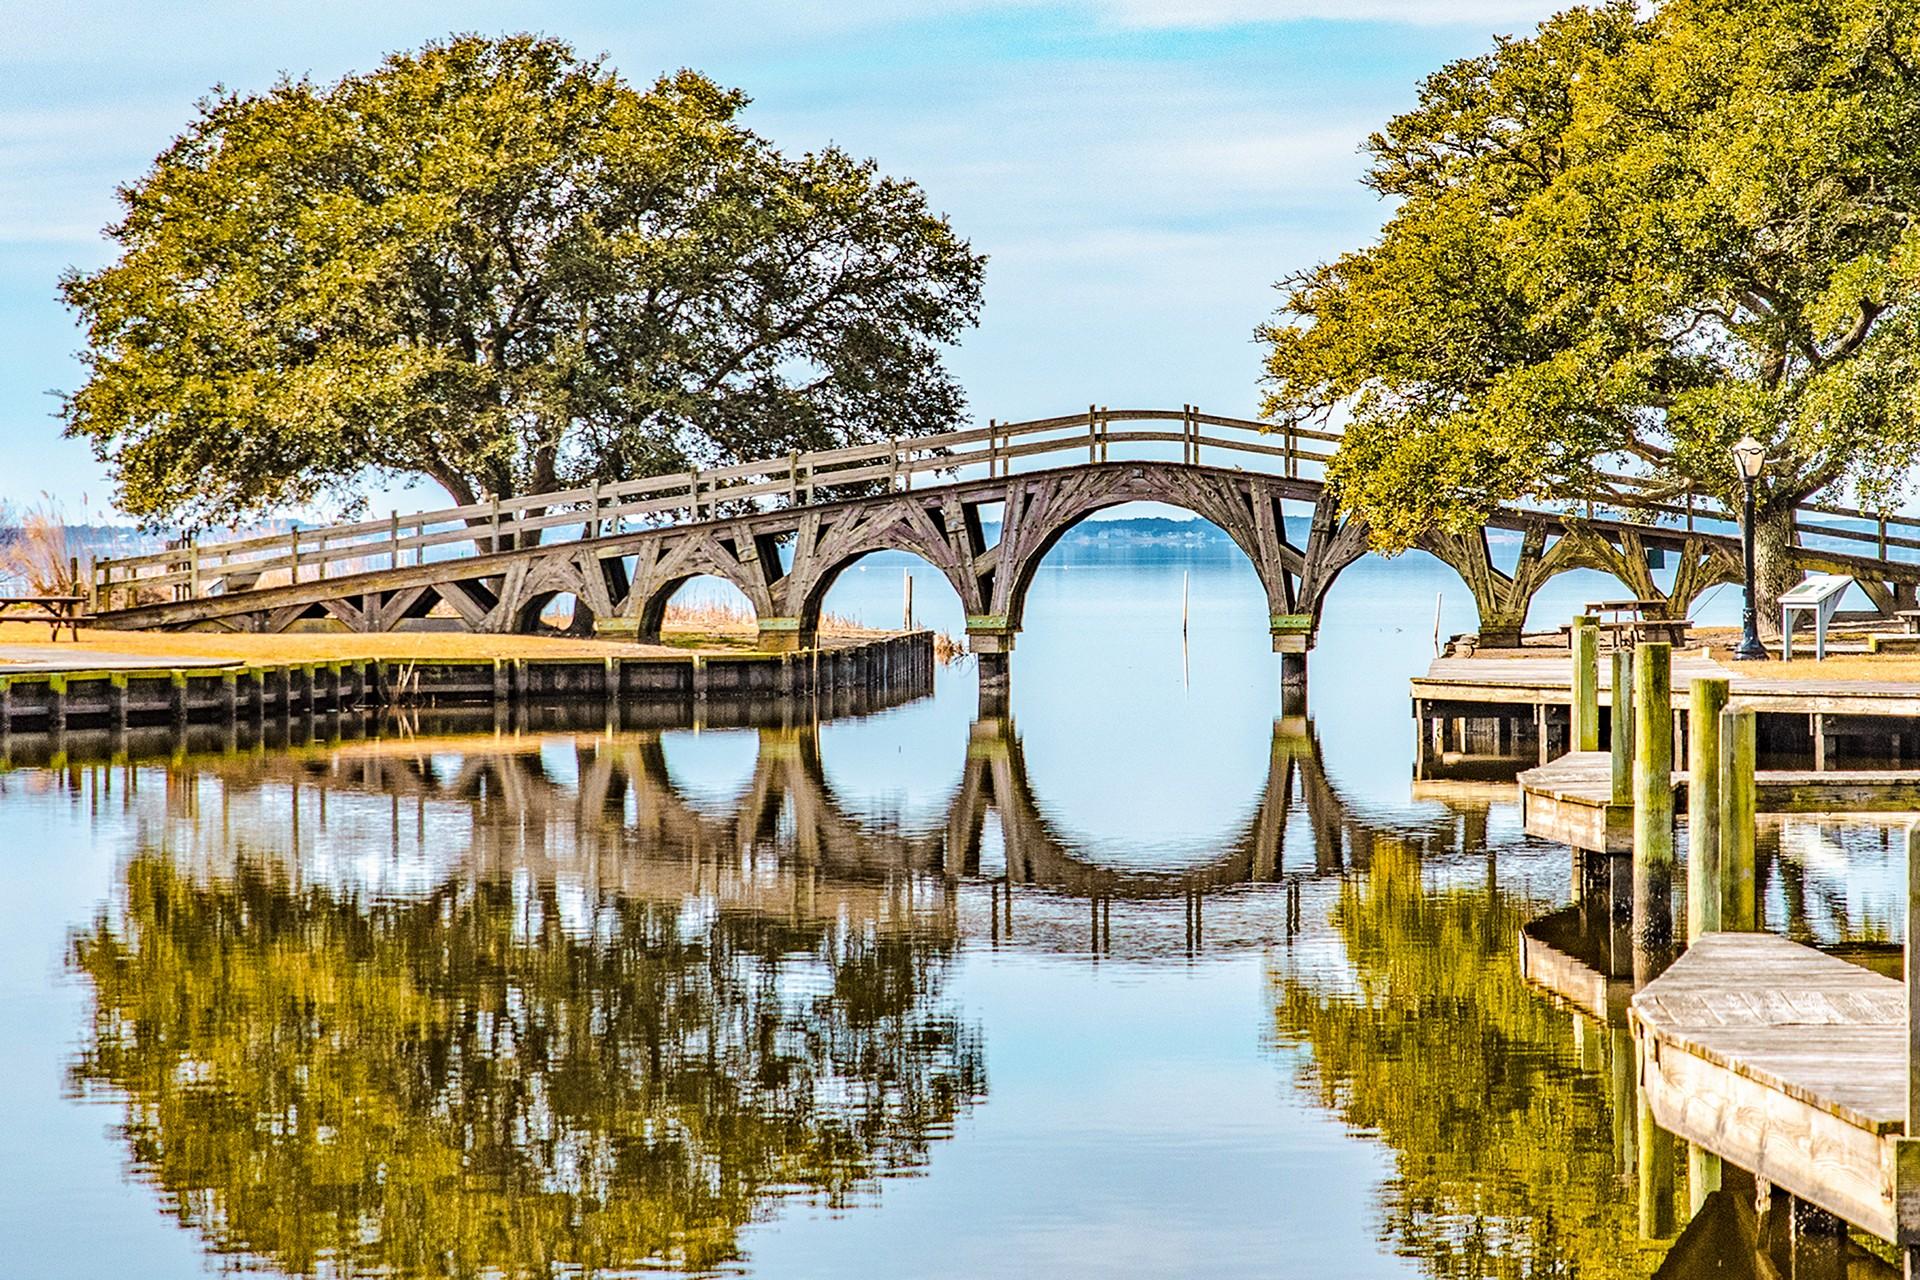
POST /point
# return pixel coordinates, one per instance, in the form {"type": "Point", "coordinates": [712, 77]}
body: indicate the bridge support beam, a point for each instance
{"type": "Point", "coordinates": [1293, 683]}
{"type": "Point", "coordinates": [1292, 639]}
{"type": "Point", "coordinates": [990, 640]}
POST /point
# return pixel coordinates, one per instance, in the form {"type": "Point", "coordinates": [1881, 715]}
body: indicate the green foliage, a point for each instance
{"type": "Point", "coordinates": [501, 267]}
{"type": "Point", "coordinates": [1629, 235]}
{"type": "Point", "coordinates": [455, 1085]}
{"type": "Point", "coordinates": [1503, 1161]}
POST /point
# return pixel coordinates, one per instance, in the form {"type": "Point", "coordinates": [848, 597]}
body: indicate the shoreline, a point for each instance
{"type": "Point", "coordinates": [232, 691]}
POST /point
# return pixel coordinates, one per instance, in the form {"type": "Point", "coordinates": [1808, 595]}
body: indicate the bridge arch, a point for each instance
{"type": "Point", "coordinates": [1026, 539]}
{"type": "Point", "coordinates": [530, 586]}
{"type": "Point", "coordinates": [1549, 549]}
{"type": "Point", "coordinates": [947, 536]}
{"type": "Point", "coordinates": [1248, 507]}
{"type": "Point", "coordinates": [652, 608]}
{"type": "Point", "coordinates": [820, 583]}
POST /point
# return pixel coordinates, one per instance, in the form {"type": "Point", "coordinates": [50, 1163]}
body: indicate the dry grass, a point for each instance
{"type": "Point", "coordinates": [723, 618]}
{"type": "Point", "coordinates": [1901, 668]}
{"type": "Point", "coordinates": [37, 552]}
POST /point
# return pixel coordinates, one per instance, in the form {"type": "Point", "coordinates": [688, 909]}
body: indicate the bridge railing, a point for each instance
{"type": "Point", "coordinates": [499, 525]}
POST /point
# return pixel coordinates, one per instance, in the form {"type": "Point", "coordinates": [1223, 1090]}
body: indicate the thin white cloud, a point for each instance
{"type": "Point", "coordinates": [1166, 14]}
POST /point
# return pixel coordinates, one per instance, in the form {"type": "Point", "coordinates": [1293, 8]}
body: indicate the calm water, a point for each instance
{"type": "Point", "coordinates": [1137, 981]}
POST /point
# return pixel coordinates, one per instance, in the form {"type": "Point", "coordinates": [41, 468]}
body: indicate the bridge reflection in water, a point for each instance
{"type": "Point", "coordinates": [503, 1004]}
{"type": "Point", "coordinates": [602, 811]}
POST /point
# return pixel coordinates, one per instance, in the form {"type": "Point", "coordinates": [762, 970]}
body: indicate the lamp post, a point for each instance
{"type": "Point", "coordinates": [1749, 455]}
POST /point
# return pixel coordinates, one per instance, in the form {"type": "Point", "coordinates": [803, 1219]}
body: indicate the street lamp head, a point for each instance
{"type": "Point", "coordinates": [1749, 455]}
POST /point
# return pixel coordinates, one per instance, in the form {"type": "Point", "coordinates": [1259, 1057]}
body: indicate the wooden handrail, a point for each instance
{"type": "Point", "coordinates": [238, 564]}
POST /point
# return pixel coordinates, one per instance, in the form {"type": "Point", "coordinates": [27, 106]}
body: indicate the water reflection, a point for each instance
{"type": "Point", "coordinates": [420, 1001]}
{"type": "Point", "coordinates": [508, 1046]}
{"type": "Point", "coordinates": [1423, 1032]}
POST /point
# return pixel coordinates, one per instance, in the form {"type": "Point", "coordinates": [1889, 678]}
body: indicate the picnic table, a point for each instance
{"type": "Point", "coordinates": [1637, 621]}
{"type": "Point", "coordinates": [59, 611]}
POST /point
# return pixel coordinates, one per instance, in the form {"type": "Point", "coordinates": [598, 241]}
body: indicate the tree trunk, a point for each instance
{"type": "Point", "coordinates": [1774, 573]}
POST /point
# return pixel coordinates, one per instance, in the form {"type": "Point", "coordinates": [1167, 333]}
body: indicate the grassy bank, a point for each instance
{"type": "Point", "coordinates": [701, 628]}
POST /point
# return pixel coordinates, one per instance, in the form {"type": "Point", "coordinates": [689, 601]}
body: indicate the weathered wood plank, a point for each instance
{"type": "Point", "coordinates": [1785, 1061]}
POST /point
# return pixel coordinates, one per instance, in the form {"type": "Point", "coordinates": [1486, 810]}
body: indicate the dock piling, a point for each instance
{"type": "Point", "coordinates": [1652, 806]}
{"type": "Point", "coordinates": [1738, 909]}
{"type": "Point", "coordinates": [1584, 640]}
{"type": "Point", "coordinates": [1703, 1176]}
{"type": "Point", "coordinates": [1708, 700]}
{"type": "Point", "coordinates": [1622, 730]}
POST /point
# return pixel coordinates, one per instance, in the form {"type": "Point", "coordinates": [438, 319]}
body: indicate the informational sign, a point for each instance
{"type": "Point", "coordinates": [1820, 596]}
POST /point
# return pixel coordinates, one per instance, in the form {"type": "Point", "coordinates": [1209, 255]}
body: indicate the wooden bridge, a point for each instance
{"type": "Point", "coordinates": [783, 530]}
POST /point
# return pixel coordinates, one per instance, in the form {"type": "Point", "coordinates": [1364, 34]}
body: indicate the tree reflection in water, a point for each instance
{"type": "Point", "coordinates": [491, 1079]}
{"type": "Point", "coordinates": [1504, 1159]}
{"type": "Point", "coordinates": [594, 1024]}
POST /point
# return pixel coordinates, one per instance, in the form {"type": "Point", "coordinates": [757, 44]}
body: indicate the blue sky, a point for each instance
{"type": "Point", "coordinates": [1138, 171]}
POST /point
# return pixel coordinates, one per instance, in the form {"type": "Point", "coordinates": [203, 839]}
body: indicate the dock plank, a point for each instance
{"type": "Point", "coordinates": [1782, 1060]}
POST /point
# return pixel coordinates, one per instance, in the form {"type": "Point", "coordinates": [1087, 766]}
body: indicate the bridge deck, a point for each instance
{"type": "Point", "coordinates": [1549, 681]}
{"type": "Point", "coordinates": [1570, 800]}
{"type": "Point", "coordinates": [1784, 1061]}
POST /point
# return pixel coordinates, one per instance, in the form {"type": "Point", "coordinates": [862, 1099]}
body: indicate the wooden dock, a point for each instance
{"type": "Point", "coordinates": [1785, 1062]}
{"type": "Point", "coordinates": [1548, 681]}
{"type": "Point", "coordinates": [1473, 716]}
{"type": "Point", "coordinates": [1571, 799]}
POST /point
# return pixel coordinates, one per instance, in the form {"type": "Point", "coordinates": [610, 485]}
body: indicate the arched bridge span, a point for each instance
{"type": "Point", "coordinates": [784, 529]}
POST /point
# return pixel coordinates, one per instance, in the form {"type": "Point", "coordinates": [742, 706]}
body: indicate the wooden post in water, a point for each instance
{"type": "Point", "coordinates": [1654, 1169]}
{"type": "Point", "coordinates": [1584, 640]}
{"type": "Point", "coordinates": [1709, 699]}
{"type": "Point", "coordinates": [1906, 1150]}
{"type": "Point", "coordinates": [1703, 1176]}
{"type": "Point", "coordinates": [1704, 910]}
{"type": "Point", "coordinates": [1738, 909]}
{"type": "Point", "coordinates": [1652, 807]}
{"type": "Point", "coordinates": [1622, 733]}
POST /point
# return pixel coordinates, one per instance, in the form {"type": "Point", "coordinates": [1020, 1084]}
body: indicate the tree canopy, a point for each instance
{"type": "Point", "coordinates": [1630, 238]}
{"type": "Point", "coordinates": [499, 266]}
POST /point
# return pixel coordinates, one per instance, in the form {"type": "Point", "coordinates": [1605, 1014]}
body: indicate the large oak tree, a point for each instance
{"type": "Point", "coordinates": [1631, 238]}
{"type": "Point", "coordinates": [499, 266]}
